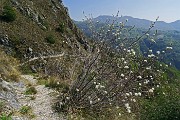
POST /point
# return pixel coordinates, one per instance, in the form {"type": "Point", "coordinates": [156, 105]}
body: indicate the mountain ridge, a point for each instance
{"type": "Point", "coordinates": [141, 23]}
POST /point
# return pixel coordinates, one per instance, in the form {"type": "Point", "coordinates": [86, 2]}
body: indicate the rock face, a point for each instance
{"type": "Point", "coordinates": [8, 96]}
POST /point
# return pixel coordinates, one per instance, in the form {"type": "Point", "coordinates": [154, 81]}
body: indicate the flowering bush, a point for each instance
{"type": "Point", "coordinates": [113, 75]}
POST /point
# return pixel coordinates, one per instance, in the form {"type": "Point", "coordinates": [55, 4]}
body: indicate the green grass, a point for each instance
{"type": "Point", "coordinates": [30, 91]}
{"type": "Point", "coordinates": [5, 117]}
{"type": "Point", "coordinates": [25, 110]}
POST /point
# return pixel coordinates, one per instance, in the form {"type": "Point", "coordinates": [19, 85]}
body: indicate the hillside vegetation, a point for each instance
{"type": "Point", "coordinates": [50, 70]}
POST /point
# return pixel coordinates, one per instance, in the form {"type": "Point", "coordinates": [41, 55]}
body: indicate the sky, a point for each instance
{"type": "Point", "coordinates": [167, 10]}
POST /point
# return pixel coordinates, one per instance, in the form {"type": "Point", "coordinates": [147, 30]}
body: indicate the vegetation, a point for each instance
{"type": "Point", "coordinates": [30, 90]}
{"type": "Point", "coordinates": [5, 117]}
{"type": "Point", "coordinates": [8, 69]}
{"type": "Point", "coordinates": [9, 14]}
{"type": "Point", "coordinates": [25, 110]}
{"type": "Point", "coordinates": [61, 28]}
{"type": "Point", "coordinates": [163, 39]}
{"type": "Point", "coordinates": [50, 39]}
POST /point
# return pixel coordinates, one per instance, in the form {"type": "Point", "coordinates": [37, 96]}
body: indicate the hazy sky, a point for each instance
{"type": "Point", "coordinates": [167, 10]}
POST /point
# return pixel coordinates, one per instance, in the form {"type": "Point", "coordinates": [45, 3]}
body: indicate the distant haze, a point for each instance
{"type": "Point", "coordinates": [167, 10]}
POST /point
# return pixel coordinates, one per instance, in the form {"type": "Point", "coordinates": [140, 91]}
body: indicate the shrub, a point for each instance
{"type": "Point", "coordinates": [50, 39]}
{"type": "Point", "coordinates": [9, 14]}
{"type": "Point", "coordinates": [61, 28]}
{"type": "Point", "coordinates": [113, 75]}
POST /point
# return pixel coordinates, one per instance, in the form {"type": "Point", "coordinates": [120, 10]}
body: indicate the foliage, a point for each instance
{"type": "Point", "coordinates": [166, 104]}
{"type": "Point", "coordinates": [61, 28]}
{"type": "Point", "coordinates": [30, 90]}
{"type": "Point", "coordinates": [5, 117]}
{"type": "Point", "coordinates": [50, 39]}
{"type": "Point", "coordinates": [9, 14]}
{"type": "Point", "coordinates": [25, 110]}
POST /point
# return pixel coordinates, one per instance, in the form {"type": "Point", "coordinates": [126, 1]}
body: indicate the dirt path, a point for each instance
{"type": "Point", "coordinates": [42, 57]}
{"type": "Point", "coordinates": [41, 105]}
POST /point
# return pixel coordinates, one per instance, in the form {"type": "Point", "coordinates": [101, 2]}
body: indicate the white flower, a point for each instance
{"type": "Point", "coordinates": [128, 51]}
{"type": "Point", "coordinates": [119, 114]}
{"type": "Point", "coordinates": [140, 77]}
{"type": "Point", "coordinates": [77, 89]}
{"type": "Point", "coordinates": [90, 101]}
{"type": "Point", "coordinates": [127, 105]}
{"type": "Point", "coordinates": [150, 50]}
{"type": "Point", "coordinates": [146, 82]}
{"type": "Point", "coordinates": [94, 82]}
{"type": "Point", "coordinates": [140, 84]}
{"type": "Point", "coordinates": [151, 90]}
{"type": "Point", "coordinates": [97, 86]}
{"type": "Point", "coordinates": [134, 53]}
{"type": "Point", "coordinates": [152, 40]}
{"type": "Point", "coordinates": [125, 62]}
{"type": "Point", "coordinates": [98, 99]}
{"type": "Point", "coordinates": [127, 94]}
{"type": "Point", "coordinates": [158, 52]}
{"type": "Point", "coordinates": [148, 68]}
{"type": "Point", "coordinates": [122, 58]}
{"type": "Point", "coordinates": [136, 94]}
{"type": "Point", "coordinates": [126, 67]}
{"type": "Point", "coordinates": [147, 34]}
{"type": "Point", "coordinates": [134, 100]}
{"type": "Point", "coordinates": [128, 110]}
{"type": "Point", "coordinates": [101, 86]}
{"type": "Point", "coordinates": [139, 93]}
{"type": "Point", "coordinates": [157, 85]}
{"type": "Point", "coordinates": [169, 48]}
{"type": "Point", "coordinates": [122, 75]}
{"type": "Point", "coordinates": [67, 98]}
{"type": "Point", "coordinates": [105, 92]}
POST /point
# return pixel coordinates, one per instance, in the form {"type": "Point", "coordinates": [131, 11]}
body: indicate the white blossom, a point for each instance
{"type": "Point", "coordinates": [126, 67]}
{"type": "Point", "coordinates": [169, 48]}
{"type": "Point", "coordinates": [140, 77]}
{"type": "Point", "coordinates": [122, 75]}
{"type": "Point", "coordinates": [139, 93]}
{"type": "Point", "coordinates": [158, 52]}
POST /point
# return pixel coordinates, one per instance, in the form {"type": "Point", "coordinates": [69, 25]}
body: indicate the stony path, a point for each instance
{"type": "Point", "coordinates": [41, 105]}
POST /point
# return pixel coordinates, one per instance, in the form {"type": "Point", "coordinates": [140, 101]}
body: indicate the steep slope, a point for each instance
{"type": "Point", "coordinates": [39, 37]}
{"type": "Point", "coordinates": [41, 28]}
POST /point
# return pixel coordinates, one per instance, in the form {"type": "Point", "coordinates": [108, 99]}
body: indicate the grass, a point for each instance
{"type": "Point", "coordinates": [8, 69]}
{"type": "Point", "coordinates": [5, 117]}
{"type": "Point", "coordinates": [30, 91]}
{"type": "Point", "coordinates": [25, 110]}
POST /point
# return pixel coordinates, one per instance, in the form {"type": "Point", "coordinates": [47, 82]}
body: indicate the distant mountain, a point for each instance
{"type": "Point", "coordinates": [141, 23]}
